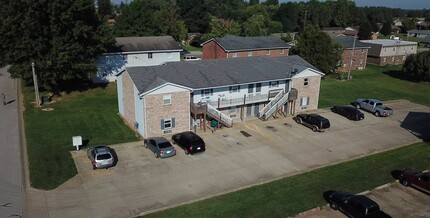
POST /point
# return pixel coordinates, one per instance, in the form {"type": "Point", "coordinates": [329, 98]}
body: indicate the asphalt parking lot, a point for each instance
{"type": "Point", "coordinates": [269, 150]}
{"type": "Point", "coordinates": [395, 200]}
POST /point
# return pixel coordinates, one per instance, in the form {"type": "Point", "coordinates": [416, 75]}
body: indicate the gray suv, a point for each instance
{"type": "Point", "coordinates": [100, 156]}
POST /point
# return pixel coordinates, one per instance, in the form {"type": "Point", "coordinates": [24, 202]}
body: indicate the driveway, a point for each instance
{"type": "Point", "coordinates": [140, 183]}
{"type": "Point", "coordinates": [395, 200]}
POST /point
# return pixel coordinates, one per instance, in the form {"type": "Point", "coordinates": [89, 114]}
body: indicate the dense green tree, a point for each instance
{"type": "Point", "coordinates": [255, 26]}
{"type": "Point", "coordinates": [272, 2]}
{"type": "Point", "coordinates": [226, 9]}
{"type": "Point", "coordinates": [365, 31]}
{"type": "Point", "coordinates": [386, 28]}
{"type": "Point", "coordinates": [195, 14]}
{"type": "Point", "coordinates": [221, 28]}
{"type": "Point", "coordinates": [105, 9]}
{"type": "Point", "coordinates": [62, 38]}
{"type": "Point", "coordinates": [408, 24]}
{"type": "Point", "coordinates": [417, 66]}
{"type": "Point", "coordinates": [319, 49]}
{"type": "Point", "coordinates": [254, 2]}
{"type": "Point", "coordinates": [288, 15]}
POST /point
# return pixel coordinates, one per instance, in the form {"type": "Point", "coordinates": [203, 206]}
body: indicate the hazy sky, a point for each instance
{"type": "Point", "coordinates": [405, 4]}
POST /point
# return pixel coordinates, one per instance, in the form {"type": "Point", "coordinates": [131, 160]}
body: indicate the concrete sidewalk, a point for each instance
{"type": "Point", "coordinates": [11, 170]}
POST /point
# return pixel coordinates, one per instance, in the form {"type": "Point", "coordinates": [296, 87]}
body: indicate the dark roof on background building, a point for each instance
{"type": "Point", "coordinates": [347, 42]}
{"type": "Point", "coordinates": [151, 43]}
{"type": "Point", "coordinates": [238, 43]}
{"type": "Point", "coordinates": [217, 72]}
{"type": "Point", "coordinates": [425, 32]}
{"type": "Point", "coordinates": [426, 40]}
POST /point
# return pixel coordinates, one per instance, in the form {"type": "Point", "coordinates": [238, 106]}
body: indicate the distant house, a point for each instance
{"type": "Point", "coordinates": [389, 51]}
{"type": "Point", "coordinates": [426, 41]}
{"type": "Point", "coordinates": [336, 31]}
{"type": "Point", "coordinates": [237, 46]}
{"type": "Point", "coordinates": [171, 98]}
{"type": "Point", "coordinates": [136, 51]}
{"type": "Point", "coordinates": [355, 49]}
{"type": "Point", "coordinates": [419, 33]}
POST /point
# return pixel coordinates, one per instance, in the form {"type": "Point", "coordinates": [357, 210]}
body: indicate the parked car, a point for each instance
{"type": "Point", "coordinates": [191, 58]}
{"type": "Point", "coordinates": [348, 111]}
{"type": "Point", "coordinates": [373, 106]}
{"type": "Point", "coordinates": [417, 179]}
{"type": "Point", "coordinates": [313, 121]}
{"type": "Point", "coordinates": [354, 205]}
{"type": "Point", "coordinates": [160, 146]}
{"type": "Point", "coordinates": [100, 156]}
{"type": "Point", "coordinates": [189, 141]}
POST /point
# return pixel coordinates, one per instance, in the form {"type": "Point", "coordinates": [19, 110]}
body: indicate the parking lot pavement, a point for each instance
{"type": "Point", "coordinates": [141, 183]}
{"type": "Point", "coordinates": [395, 200]}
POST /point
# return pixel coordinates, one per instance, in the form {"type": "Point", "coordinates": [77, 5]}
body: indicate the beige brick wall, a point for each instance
{"type": "Point", "coordinates": [311, 90]}
{"type": "Point", "coordinates": [155, 111]}
{"type": "Point", "coordinates": [128, 95]}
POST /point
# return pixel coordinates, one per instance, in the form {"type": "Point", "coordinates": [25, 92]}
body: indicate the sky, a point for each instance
{"type": "Point", "coordinates": [404, 4]}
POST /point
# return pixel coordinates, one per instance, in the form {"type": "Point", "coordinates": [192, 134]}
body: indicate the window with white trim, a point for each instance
{"type": "Point", "coordinates": [274, 84]}
{"type": "Point", "coordinates": [362, 50]}
{"type": "Point", "coordinates": [170, 55]}
{"type": "Point", "coordinates": [394, 48]}
{"type": "Point", "coordinates": [385, 50]}
{"type": "Point", "coordinates": [149, 55]}
{"type": "Point", "coordinates": [207, 92]}
{"type": "Point", "coordinates": [306, 82]}
{"type": "Point", "coordinates": [268, 52]}
{"type": "Point", "coordinates": [392, 58]}
{"type": "Point", "coordinates": [384, 60]}
{"type": "Point", "coordinates": [258, 87]}
{"type": "Point", "coordinates": [412, 48]}
{"type": "Point", "coordinates": [234, 55]}
{"type": "Point", "coordinates": [404, 57]}
{"type": "Point", "coordinates": [282, 51]}
{"type": "Point", "coordinates": [249, 53]}
{"type": "Point", "coordinates": [168, 123]}
{"type": "Point", "coordinates": [304, 102]}
{"type": "Point", "coordinates": [234, 89]}
{"type": "Point", "coordinates": [167, 99]}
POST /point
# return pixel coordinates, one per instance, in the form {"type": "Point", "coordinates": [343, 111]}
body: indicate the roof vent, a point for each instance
{"type": "Point", "coordinates": [294, 72]}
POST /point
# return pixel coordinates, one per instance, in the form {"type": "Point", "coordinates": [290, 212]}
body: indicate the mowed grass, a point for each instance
{"type": "Point", "coordinates": [91, 114]}
{"type": "Point", "coordinates": [292, 195]}
{"type": "Point", "coordinates": [373, 82]}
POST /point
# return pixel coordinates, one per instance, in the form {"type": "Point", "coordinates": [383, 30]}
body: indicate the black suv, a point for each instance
{"type": "Point", "coordinates": [354, 205]}
{"type": "Point", "coordinates": [190, 142]}
{"type": "Point", "coordinates": [313, 121]}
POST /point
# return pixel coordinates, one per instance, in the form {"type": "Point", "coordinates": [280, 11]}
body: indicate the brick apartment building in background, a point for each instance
{"type": "Point", "coordinates": [236, 46]}
{"type": "Point", "coordinates": [389, 51]}
{"type": "Point", "coordinates": [357, 50]}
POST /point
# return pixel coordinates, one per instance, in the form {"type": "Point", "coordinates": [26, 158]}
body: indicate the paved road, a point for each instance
{"type": "Point", "coordinates": [277, 148]}
{"type": "Point", "coordinates": [11, 182]}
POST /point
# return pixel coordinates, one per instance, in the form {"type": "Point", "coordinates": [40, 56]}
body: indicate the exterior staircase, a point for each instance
{"type": "Point", "coordinates": [218, 116]}
{"type": "Point", "coordinates": [274, 105]}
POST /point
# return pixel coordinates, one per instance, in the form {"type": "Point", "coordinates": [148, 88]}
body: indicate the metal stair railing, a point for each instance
{"type": "Point", "coordinates": [270, 105]}
{"type": "Point", "coordinates": [222, 118]}
{"type": "Point", "coordinates": [275, 107]}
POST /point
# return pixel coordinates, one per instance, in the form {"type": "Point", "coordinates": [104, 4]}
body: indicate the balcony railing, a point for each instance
{"type": "Point", "coordinates": [246, 99]}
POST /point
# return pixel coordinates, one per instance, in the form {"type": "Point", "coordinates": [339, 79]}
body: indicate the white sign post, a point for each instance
{"type": "Point", "coordinates": [77, 141]}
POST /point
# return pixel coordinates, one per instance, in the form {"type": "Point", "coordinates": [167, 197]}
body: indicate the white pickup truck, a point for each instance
{"type": "Point", "coordinates": [373, 106]}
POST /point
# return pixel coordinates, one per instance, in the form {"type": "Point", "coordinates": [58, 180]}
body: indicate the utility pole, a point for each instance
{"type": "Point", "coordinates": [351, 58]}
{"type": "Point", "coordinates": [36, 87]}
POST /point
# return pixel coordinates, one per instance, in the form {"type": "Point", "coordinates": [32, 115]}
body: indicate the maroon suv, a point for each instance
{"type": "Point", "coordinates": [419, 180]}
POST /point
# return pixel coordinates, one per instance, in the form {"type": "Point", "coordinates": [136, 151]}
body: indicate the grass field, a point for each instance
{"type": "Point", "coordinates": [382, 83]}
{"type": "Point", "coordinates": [292, 195]}
{"type": "Point", "coordinates": [191, 48]}
{"type": "Point", "coordinates": [91, 114]}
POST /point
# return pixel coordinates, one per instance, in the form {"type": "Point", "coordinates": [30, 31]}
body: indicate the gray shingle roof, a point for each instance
{"type": "Point", "coordinates": [238, 43]}
{"type": "Point", "coordinates": [426, 40]}
{"type": "Point", "coordinates": [348, 42]}
{"type": "Point", "coordinates": [217, 72]}
{"type": "Point", "coordinates": [152, 43]}
{"type": "Point", "coordinates": [426, 32]}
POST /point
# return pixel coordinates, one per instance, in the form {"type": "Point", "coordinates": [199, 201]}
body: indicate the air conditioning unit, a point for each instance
{"type": "Point", "coordinates": [167, 131]}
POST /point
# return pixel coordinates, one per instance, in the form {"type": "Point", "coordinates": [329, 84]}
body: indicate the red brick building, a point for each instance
{"type": "Point", "coordinates": [236, 46]}
{"type": "Point", "coordinates": [355, 49]}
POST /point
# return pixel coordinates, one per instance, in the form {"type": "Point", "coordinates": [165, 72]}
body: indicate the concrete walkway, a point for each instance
{"type": "Point", "coordinates": [11, 179]}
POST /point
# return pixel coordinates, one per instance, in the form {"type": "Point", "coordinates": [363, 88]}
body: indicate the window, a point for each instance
{"type": "Point", "coordinates": [250, 88]}
{"type": "Point", "coordinates": [361, 61]}
{"type": "Point", "coordinates": [274, 84]}
{"type": "Point", "coordinates": [306, 82]}
{"type": "Point", "coordinates": [412, 48]}
{"type": "Point", "coordinates": [362, 50]}
{"type": "Point", "coordinates": [385, 50]}
{"type": "Point", "coordinates": [234, 55]}
{"type": "Point", "coordinates": [384, 60]}
{"type": "Point", "coordinates": [404, 57]}
{"type": "Point", "coordinates": [149, 55]}
{"type": "Point", "coordinates": [282, 51]}
{"type": "Point", "coordinates": [304, 101]}
{"type": "Point", "coordinates": [234, 89]}
{"type": "Point", "coordinates": [170, 55]}
{"type": "Point", "coordinates": [258, 87]}
{"type": "Point", "coordinates": [394, 48]}
{"type": "Point", "coordinates": [268, 52]}
{"type": "Point", "coordinates": [392, 58]}
{"type": "Point", "coordinates": [249, 53]}
{"type": "Point", "coordinates": [207, 92]}
{"type": "Point", "coordinates": [167, 99]}
{"type": "Point", "coordinates": [404, 48]}
{"type": "Point", "coordinates": [168, 123]}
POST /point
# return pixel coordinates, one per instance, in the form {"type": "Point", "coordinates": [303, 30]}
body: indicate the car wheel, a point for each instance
{"type": "Point", "coordinates": [94, 167]}
{"type": "Point", "coordinates": [156, 155]}
{"type": "Point", "coordinates": [377, 113]}
{"type": "Point", "coordinates": [299, 120]}
{"type": "Point", "coordinates": [405, 182]}
{"type": "Point", "coordinates": [145, 145]}
{"type": "Point", "coordinates": [186, 152]}
{"type": "Point", "coordinates": [334, 205]}
{"type": "Point", "coordinates": [314, 128]}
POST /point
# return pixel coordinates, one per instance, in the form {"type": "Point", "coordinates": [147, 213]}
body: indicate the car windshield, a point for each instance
{"type": "Point", "coordinates": [164, 145]}
{"type": "Point", "coordinates": [104, 156]}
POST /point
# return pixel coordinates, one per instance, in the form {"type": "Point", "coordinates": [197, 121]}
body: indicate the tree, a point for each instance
{"type": "Point", "coordinates": [255, 26]}
{"type": "Point", "coordinates": [272, 2]}
{"type": "Point", "coordinates": [365, 31]}
{"type": "Point", "coordinates": [62, 37]}
{"type": "Point", "coordinates": [386, 28]}
{"type": "Point", "coordinates": [319, 49]}
{"type": "Point", "coordinates": [195, 14]}
{"type": "Point", "coordinates": [221, 27]}
{"type": "Point", "coordinates": [288, 15]}
{"type": "Point", "coordinates": [105, 9]}
{"type": "Point", "coordinates": [408, 24]}
{"type": "Point", "coordinates": [417, 67]}
{"type": "Point", "coordinates": [254, 2]}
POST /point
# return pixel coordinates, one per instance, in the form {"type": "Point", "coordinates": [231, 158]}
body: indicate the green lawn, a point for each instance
{"type": "Point", "coordinates": [191, 48]}
{"type": "Point", "coordinates": [292, 195]}
{"type": "Point", "coordinates": [91, 114]}
{"type": "Point", "coordinates": [373, 82]}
